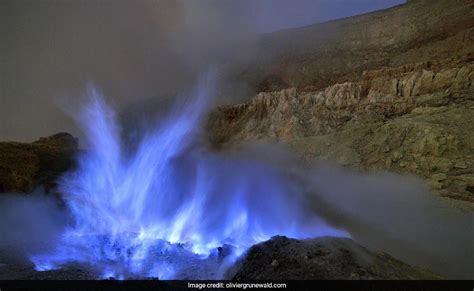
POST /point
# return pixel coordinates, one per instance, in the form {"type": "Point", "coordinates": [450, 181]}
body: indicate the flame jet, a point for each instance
{"type": "Point", "coordinates": [133, 210]}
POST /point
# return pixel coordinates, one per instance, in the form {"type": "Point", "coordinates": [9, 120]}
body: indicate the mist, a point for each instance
{"type": "Point", "coordinates": [396, 214]}
{"type": "Point", "coordinates": [136, 51]}
{"type": "Point", "coordinates": [382, 211]}
{"type": "Point", "coordinates": [30, 223]}
{"type": "Point", "coordinates": [141, 54]}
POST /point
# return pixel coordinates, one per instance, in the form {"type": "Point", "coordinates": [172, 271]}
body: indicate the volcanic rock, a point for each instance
{"type": "Point", "coordinates": [24, 166]}
{"type": "Point", "coordinates": [339, 51]}
{"type": "Point", "coordinates": [324, 258]}
{"type": "Point", "coordinates": [429, 134]}
{"type": "Point", "coordinates": [280, 258]}
{"type": "Point", "coordinates": [390, 90]}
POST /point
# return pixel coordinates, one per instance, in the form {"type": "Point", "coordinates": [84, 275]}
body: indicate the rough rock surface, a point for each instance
{"type": "Point", "coordinates": [324, 258]}
{"type": "Point", "coordinates": [24, 166]}
{"type": "Point", "coordinates": [410, 110]}
{"type": "Point", "coordinates": [280, 258]}
{"type": "Point", "coordinates": [339, 51]}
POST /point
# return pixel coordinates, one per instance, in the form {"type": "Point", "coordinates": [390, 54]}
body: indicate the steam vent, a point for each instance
{"type": "Point", "coordinates": [237, 144]}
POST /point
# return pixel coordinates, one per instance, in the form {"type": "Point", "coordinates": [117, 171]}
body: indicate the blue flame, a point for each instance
{"type": "Point", "coordinates": [151, 212]}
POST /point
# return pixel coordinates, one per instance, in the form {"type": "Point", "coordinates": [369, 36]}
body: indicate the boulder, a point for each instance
{"type": "Point", "coordinates": [324, 258]}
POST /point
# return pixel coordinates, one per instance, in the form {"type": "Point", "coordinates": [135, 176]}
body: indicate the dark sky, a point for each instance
{"type": "Point", "coordinates": [132, 50]}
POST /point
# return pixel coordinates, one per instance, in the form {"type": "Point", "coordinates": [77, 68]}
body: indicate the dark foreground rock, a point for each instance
{"type": "Point", "coordinates": [280, 258]}
{"type": "Point", "coordinates": [324, 258]}
{"type": "Point", "coordinates": [24, 166]}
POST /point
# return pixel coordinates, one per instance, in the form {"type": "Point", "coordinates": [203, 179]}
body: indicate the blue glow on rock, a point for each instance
{"type": "Point", "coordinates": [153, 212]}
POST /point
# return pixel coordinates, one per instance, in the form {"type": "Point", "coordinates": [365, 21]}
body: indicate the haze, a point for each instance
{"type": "Point", "coordinates": [132, 50]}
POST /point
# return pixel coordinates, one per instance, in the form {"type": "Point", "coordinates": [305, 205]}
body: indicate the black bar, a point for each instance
{"type": "Point", "coordinates": [236, 285]}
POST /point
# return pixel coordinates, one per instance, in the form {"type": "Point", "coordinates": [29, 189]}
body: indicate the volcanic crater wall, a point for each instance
{"type": "Point", "coordinates": [338, 51]}
{"type": "Point", "coordinates": [390, 90]}
{"type": "Point", "coordinates": [25, 166]}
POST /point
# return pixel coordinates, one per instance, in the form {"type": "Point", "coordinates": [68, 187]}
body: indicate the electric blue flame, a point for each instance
{"type": "Point", "coordinates": [151, 212]}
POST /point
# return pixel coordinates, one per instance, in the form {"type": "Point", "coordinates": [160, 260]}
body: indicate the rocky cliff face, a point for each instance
{"type": "Point", "coordinates": [24, 166]}
{"type": "Point", "coordinates": [339, 51]}
{"type": "Point", "coordinates": [409, 109]}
